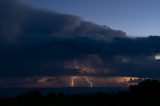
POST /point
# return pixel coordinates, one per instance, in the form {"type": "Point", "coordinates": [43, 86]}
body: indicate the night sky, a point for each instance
{"type": "Point", "coordinates": [73, 43]}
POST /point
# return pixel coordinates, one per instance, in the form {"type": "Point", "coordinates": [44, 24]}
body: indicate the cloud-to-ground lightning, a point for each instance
{"type": "Point", "coordinates": [72, 81]}
{"type": "Point", "coordinates": [90, 83]}
{"type": "Point", "coordinates": [76, 78]}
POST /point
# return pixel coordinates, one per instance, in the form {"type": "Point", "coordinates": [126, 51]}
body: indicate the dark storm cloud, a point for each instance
{"type": "Point", "coordinates": [114, 58]}
{"type": "Point", "coordinates": [42, 43]}
{"type": "Point", "coordinates": [19, 21]}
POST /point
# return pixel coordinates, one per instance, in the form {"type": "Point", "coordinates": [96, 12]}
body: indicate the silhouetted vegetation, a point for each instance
{"type": "Point", "coordinates": [146, 93]}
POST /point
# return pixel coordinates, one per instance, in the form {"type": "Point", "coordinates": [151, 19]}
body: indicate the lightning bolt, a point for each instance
{"type": "Point", "coordinates": [89, 82]}
{"type": "Point", "coordinates": [72, 81]}
{"type": "Point", "coordinates": [86, 78]}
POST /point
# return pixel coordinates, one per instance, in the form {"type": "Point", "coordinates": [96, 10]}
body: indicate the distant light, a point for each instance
{"type": "Point", "coordinates": [157, 57]}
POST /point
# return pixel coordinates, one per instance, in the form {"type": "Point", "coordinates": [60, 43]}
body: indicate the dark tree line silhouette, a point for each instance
{"type": "Point", "coordinates": [146, 93]}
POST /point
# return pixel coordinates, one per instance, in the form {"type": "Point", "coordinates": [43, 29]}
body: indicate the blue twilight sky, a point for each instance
{"type": "Point", "coordinates": [136, 17]}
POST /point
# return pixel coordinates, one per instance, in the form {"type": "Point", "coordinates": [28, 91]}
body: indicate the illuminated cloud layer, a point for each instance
{"type": "Point", "coordinates": [47, 49]}
{"type": "Point", "coordinates": [68, 81]}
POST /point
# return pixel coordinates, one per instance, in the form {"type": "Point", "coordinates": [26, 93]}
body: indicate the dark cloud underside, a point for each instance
{"type": "Point", "coordinates": [37, 43]}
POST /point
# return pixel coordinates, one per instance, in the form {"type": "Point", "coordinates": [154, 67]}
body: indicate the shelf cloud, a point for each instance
{"type": "Point", "coordinates": [37, 43]}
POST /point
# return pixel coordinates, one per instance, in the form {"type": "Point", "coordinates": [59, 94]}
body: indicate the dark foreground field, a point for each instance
{"type": "Point", "coordinates": [146, 93]}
